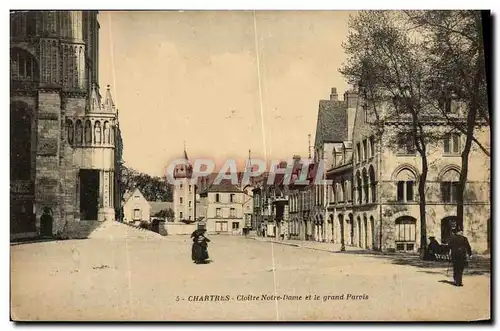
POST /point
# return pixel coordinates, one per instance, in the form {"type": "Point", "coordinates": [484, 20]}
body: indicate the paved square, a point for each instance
{"type": "Point", "coordinates": [142, 279]}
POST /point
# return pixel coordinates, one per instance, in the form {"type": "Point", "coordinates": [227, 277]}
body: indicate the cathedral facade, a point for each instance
{"type": "Point", "coordinates": [65, 140]}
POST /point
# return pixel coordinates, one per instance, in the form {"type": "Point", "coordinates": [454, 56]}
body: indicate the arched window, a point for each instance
{"type": "Point", "coordinates": [405, 235]}
{"type": "Point", "coordinates": [79, 132]}
{"type": "Point", "coordinates": [20, 141]}
{"type": "Point", "coordinates": [405, 185]}
{"type": "Point", "coordinates": [88, 132]}
{"type": "Point", "coordinates": [450, 185]}
{"type": "Point", "coordinates": [373, 183]}
{"type": "Point", "coordinates": [107, 138]}
{"type": "Point", "coordinates": [23, 65]}
{"type": "Point", "coordinates": [217, 197]}
{"type": "Point", "coordinates": [70, 131]}
{"type": "Point", "coordinates": [359, 188]}
{"type": "Point", "coordinates": [97, 132]}
{"type": "Point", "coordinates": [365, 186]}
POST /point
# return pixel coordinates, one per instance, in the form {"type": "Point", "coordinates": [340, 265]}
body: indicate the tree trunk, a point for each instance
{"type": "Point", "coordinates": [471, 120]}
{"type": "Point", "coordinates": [422, 203]}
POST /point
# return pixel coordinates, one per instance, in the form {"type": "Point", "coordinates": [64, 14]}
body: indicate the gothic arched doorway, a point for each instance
{"type": "Point", "coordinates": [46, 221]}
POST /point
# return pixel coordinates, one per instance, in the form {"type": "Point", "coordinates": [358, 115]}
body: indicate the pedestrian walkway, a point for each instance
{"type": "Point", "coordinates": [477, 264]}
{"type": "Point", "coordinates": [315, 245]}
{"type": "Point", "coordinates": [117, 230]}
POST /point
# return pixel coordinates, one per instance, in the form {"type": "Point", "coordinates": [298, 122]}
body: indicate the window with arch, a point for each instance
{"type": "Point", "coordinates": [97, 132]}
{"type": "Point", "coordinates": [372, 146]}
{"type": "Point", "coordinates": [70, 131]}
{"type": "Point", "coordinates": [371, 174]}
{"type": "Point", "coordinates": [217, 197]}
{"type": "Point", "coordinates": [23, 65]}
{"type": "Point", "coordinates": [405, 234]}
{"type": "Point", "coordinates": [365, 150]}
{"type": "Point", "coordinates": [365, 186]}
{"type": "Point", "coordinates": [450, 185]}
{"type": "Point", "coordinates": [88, 132]}
{"type": "Point", "coordinates": [79, 132]}
{"type": "Point", "coordinates": [405, 185]}
{"type": "Point", "coordinates": [359, 188]}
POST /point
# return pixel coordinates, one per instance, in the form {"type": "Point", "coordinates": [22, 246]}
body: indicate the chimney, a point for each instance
{"type": "Point", "coordinates": [334, 95]}
{"type": "Point", "coordinates": [351, 98]}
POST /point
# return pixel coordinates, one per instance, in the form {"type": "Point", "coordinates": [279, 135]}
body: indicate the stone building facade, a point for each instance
{"type": "Point", "coordinates": [373, 200]}
{"type": "Point", "coordinates": [224, 208]}
{"type": "Point", "coordinates": [63, 155]}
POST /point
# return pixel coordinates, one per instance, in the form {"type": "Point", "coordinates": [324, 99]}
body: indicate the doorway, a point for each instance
{"type": "Point", "coordinates": [89, 194]}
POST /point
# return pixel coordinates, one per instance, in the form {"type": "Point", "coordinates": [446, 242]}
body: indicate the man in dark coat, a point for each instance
{"type": "Point", "coordinates": [460, 249]}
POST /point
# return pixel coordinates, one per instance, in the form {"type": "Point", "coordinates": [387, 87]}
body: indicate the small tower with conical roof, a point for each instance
{"type": "Point", "coordinates": [184, 192]}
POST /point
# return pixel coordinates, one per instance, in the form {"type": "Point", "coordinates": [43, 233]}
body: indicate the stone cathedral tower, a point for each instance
{"type": "Point", "coordinates": [62, 136]}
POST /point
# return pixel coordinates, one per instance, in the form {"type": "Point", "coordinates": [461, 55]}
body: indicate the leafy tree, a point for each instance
{"type": "Point", "coordinates": [389, 67]}
{"type": "Point", "coordinates": [455, 48]}
{"type": "Point", "coordinates": [153, 188]}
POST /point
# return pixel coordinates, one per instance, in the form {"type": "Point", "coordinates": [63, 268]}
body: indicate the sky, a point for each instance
{"type": "Point", "coordinates": [222, 82]}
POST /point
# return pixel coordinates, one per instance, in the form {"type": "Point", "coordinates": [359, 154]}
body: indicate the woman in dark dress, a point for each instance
{"type": "Point", "coordinates": [199, 252]}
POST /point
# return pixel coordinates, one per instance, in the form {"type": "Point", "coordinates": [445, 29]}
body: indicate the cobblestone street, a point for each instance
{"type": "Point", "coordinates": [153, 278]}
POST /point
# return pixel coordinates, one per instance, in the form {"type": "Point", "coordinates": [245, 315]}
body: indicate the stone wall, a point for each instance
{"type": "Point", "coordinates": [47, 182]}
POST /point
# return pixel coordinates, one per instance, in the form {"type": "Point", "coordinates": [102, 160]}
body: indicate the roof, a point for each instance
{"type": "Point", "coordinates": [157, 206]}
{"type": "Point", "coordinates": [332, 121]}
{"type": "Point", "coordinates": [224, 186]}
{"type": "Point", "coordinates": [130, 193]}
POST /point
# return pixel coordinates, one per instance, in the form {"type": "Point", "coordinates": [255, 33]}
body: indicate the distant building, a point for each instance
{"type": "Point", "coordinates": [224, 208]}
{"type": "Point", "coordinates": [136, 208]}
